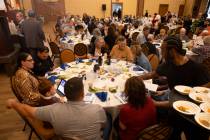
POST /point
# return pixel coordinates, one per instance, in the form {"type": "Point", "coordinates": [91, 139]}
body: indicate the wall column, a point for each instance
{"type": "Point", "coordinates": [188, 9]}
{"type": "Point", "coordinates": [140, 8]}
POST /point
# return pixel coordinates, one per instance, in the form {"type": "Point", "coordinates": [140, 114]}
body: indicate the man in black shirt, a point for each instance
{"type": "Point", "coordinates": [178, 69]}
{"type": "Point", "coordinates": [42, 62]}
{"type": "Point", "coordinates": [189, 74]}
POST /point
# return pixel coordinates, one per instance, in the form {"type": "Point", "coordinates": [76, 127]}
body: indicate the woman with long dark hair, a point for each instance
{"type": "Point", "coordinates": [138, 113]}
{"type": "Point", "coordinates": [110, 38]}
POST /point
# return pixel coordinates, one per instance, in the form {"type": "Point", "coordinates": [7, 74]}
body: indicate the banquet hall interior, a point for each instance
{"type": "Point", "coordinates": [104, 69]}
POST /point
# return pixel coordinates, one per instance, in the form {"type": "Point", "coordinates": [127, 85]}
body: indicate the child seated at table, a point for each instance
{"type": "Point", "coordinates": [47, 91]}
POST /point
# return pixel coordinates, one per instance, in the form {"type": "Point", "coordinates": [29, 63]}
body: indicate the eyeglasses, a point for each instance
{"type": "Point", "coordinates": [30, 60]}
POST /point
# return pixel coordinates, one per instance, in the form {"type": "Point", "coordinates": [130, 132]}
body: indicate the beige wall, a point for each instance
{"type": "Point", "coordinates": [153, 5]}
{"type": "Point", "coordinates": [27, 5]}
{"type": "Point", "coordinates": [129, 7]}
{"type": "Point", "coordinates": [93, 7]}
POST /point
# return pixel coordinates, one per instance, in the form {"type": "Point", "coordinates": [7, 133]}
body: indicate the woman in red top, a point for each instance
{"type": "Point", "coordinates": [138, 113]}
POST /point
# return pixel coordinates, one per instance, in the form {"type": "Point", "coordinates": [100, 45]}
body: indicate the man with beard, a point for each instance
{"type": "Point", "coordinates": [179, 70]}
{"type": "Point", "coordinates": [177, 67]}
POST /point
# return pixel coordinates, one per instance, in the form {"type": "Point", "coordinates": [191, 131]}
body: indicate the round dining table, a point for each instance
{"type": "Point", "coordinates": [108, 80]}
{"type": "Point", "coordinates": [69, 41]}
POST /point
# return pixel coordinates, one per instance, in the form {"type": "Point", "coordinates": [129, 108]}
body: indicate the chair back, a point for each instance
{"type": "Point", "coordinates": [54, 48]}
{"type": "Point", "coordinates": [80, 51]}
{"type": "Point", "coordinates": [37, 127]}
{"type": "Point", "coordinates": [156, 132]}
{"type": "Point", "coordinates": [145, 49]}
{"type": "Point", "coordinates": [166, 28]}
{"type": "Point", "coordinates": [58, 33]}
{"type": "Point", "coordinates": [206, 63]}
{"type": "Point", "coordinates": [154, 61]}
{"type": "Point", "coordinates": [14, 89]}
{"type": "Point", "coordinates": [177, 31]}
{"type": "Point", "coordinates": [134, 36]}
{"type": "Point", "coordinates": [67, 56]}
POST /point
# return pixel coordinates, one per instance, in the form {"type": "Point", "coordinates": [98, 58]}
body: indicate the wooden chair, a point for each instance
{"type": "Point", "coordinates": [177, 30]}
{"type": "Point", "coordinates": [67, 56]}
{"type": "Point", "coordinates": [58, 33]}
{"type": "Point", "coordinates": [154, 61]}
{"type": "Point", "coordinates": [145, 49]}
{"type": "Point", "coordinates": [35, 125]}
{"type": "Point", "coordinates": [134, 36]}
{"type": "Point", "coordinates": [12, 85]}
{"type": "Point", "coordinates": [14, 89]}
{"type": "Point", "coordinates": [206, 64]}
{"type": "Point", "coordinates": [166, 28]}
{"type": "Point", "coordinates": [80, 51]}
{"type": "Point", "coordinates": [37, 128]}
{"type": "Point", "coordinates": [55, 50]}
{"type": "Point", "coordinates": [156, 132]}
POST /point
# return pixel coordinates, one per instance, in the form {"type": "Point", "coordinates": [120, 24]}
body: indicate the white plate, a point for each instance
{"type": "Point", "coordinates": [100, 85]}
{"type": "Point", "coordinates": [184, 90]}
{"type": "Point", "coordinates": [198, 97]}
{"type": "Point", "coordinates": [205, 107]}
{"type": "Point", "coordinates": [190, 107]}
{"type": "Point", "coordinates": [201, 90]}
{"type": "Point", "coordinates": [205, 117]}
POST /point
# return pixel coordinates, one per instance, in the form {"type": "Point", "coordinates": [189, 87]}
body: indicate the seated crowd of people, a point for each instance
{"type": "Point", "coordinates": [128, 39]}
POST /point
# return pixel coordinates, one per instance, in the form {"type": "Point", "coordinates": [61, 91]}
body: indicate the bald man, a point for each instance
{"type": "Point", "coordinates": [182, 35]}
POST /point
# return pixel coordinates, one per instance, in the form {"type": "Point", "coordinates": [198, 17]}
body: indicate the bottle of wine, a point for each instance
{"type": "Point", "coordinates": [100, 60]}
{"type": "Point", "coordinates": [108, 59]}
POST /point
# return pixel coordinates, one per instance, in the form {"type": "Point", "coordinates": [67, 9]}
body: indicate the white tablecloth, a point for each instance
{"type": "Point", "coordinates": [70, 41]}
{"type": "Point", "coordinates": [109, 76]}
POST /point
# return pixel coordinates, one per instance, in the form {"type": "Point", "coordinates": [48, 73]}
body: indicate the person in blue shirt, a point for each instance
{"type": "Point", "coordinates": [139, 57]}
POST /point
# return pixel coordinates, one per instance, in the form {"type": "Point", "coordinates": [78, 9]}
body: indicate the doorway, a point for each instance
{"type": "Point", "coordinates": [163, 9]}
{"type": "Point", "coordinates": [117, 10]}
{"type": "Point", "coordinates": [181, 10]}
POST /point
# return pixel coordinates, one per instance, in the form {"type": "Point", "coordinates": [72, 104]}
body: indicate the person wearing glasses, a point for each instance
{"type": "Point", "coordinates": [179, 70]}
{"type": "Point", "coordinates": [121, 51]}
{"type": "Point", "coordinates": [94, 51]}
{"type": "Point", "coordinates": [25, 82]}
{"type": "Point", "coordinates": [72, 120]}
